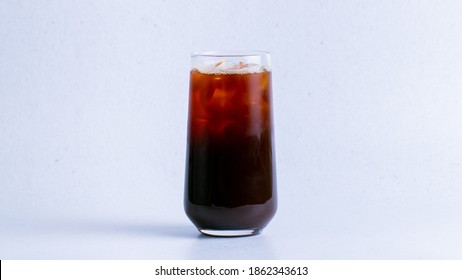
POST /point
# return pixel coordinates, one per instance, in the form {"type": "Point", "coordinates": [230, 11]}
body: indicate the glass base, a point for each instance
{"type": "Point", "coordinates": [230, 233]}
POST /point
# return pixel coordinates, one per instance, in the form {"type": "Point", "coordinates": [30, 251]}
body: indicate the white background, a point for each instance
{"type": "Point", "coordinates": [368, 117]}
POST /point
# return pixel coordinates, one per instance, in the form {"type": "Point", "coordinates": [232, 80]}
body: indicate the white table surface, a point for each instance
{"type": "Point", "coordinates": [368, 117]}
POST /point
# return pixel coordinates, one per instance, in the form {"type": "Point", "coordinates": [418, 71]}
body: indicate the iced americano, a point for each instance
{"type": "Point", "coordinates": [230, 168]}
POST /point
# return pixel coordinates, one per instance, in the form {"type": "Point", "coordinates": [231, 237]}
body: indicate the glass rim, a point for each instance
{"type": "Point", "coordinates": [231, 53]}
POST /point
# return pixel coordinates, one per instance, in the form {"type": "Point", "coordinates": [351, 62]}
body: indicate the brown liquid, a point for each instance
{"type": "Point", "coordinates": [230, 178]}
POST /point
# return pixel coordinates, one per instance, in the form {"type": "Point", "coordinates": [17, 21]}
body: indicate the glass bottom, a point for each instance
{"type": "Point", "coordinates": [231, 233]}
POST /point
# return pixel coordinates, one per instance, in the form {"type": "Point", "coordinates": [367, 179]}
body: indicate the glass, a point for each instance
{"type": "Point", "coordinates": [230, 186]}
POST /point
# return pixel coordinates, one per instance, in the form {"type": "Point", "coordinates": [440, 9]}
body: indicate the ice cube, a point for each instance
{"type": "Point", "coordinates": [220, 101]}
{"type": "Point", "coordinates": [228, 67]}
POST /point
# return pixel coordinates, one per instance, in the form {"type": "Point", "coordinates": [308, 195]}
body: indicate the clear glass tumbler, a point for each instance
{"type": "Point", "coordinates": [230, 186]}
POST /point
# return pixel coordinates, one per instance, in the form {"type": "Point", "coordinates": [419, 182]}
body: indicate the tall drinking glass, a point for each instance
{"type": "Point", "coordinates": [230, 186]}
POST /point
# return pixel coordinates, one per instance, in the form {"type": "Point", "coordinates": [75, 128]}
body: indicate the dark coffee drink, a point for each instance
{"type": "Point", "coordinates": [230, 177]}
